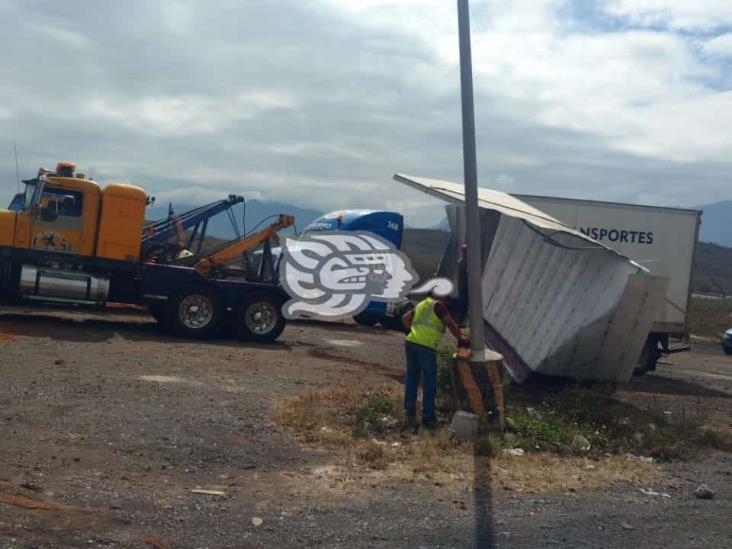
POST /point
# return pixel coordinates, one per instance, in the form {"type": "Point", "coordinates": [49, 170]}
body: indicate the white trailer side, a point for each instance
{"type": "Point", "coordinates": [555, 301]}
{"type": "Point", "coordinates": [663, 240]}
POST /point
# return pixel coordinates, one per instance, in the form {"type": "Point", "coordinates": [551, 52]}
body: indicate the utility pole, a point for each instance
{"type": "Point", "coordinates": [470, 169]}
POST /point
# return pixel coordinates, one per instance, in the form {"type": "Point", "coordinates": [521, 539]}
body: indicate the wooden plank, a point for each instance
{"type": "Point", "coordinates": [468, 382]}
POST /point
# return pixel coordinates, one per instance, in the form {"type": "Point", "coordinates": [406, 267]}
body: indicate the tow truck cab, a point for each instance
{"type": "Point", "coordinates": [66, 213]}
{"type": "Point", "coordinates": [60, 237]}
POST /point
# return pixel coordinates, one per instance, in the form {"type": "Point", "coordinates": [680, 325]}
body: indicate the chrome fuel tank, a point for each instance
{"type": "Point", "coordinates": [56, 284]}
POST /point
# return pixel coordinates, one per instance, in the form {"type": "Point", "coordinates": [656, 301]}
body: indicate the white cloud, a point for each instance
{"type": "Point", "coordinates": [59, 35]}
{"type": "Point", "coordinates": [680, 14]}
{"type": "Point", "coordinates": [197, 194]}
{"type": "Point", "coordinates": [719, 45]}
{"type": "Point", "coordinates": [319, 103]}
{"type": "Point", "coordinates": [505, 183]}
{"type": "Point", "coordinates": [641, 90]}
{"type": "Point", "coordinates": [321, 149]}
{"type": "Point", "coordinates": [187, 114]}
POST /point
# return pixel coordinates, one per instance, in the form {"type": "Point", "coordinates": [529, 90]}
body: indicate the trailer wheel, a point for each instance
{"type": "Point", "coordinates": [195, 312]}
{"type": "Point", "coordinates": [649, 357]}
{"type": "Point", "coordinates": [258, 317]}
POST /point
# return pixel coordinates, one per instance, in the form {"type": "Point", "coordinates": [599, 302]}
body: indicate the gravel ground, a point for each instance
{"type": "Point", "coordinates": [107, 426]}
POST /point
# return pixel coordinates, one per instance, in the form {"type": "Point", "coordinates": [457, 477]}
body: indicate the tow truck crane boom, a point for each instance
{"type": "Point", "coordinates": [160, 231]}
{"type": "Point", "coordinates": [234, 249]}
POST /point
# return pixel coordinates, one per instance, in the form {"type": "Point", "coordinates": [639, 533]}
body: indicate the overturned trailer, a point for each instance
{"type": "Point", "coordinates": [555, 301]}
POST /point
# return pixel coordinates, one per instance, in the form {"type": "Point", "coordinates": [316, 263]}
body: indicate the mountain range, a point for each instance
{"type": "Point", "coordinates": [716, 224]}
{"type": "Point", "coordinates": [257, 215]}
{"type": "Point", "coordinates": [425, 246]}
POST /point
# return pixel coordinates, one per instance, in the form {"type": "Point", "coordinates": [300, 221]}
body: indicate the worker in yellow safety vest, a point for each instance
{"type": "Point", "coordinates": [426, 324]}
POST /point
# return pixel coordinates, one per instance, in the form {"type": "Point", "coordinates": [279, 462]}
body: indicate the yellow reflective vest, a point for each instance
{"type": "Point", "coordinates": [427, 328]}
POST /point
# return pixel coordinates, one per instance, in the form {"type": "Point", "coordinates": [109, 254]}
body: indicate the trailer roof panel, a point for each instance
{"type": "Point", "coordinates": [504, 203]}
{"type": "Point", "coordinates": [690, 211]}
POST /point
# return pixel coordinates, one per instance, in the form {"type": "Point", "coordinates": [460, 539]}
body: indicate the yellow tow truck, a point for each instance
{"type": "Point", "coordinates": [67, 240]}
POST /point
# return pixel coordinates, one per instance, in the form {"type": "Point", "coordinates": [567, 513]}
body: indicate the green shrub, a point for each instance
{"type": "Point", "coordinates": [445, 380]}
{"type": "Point", "coordinates": [379, 414]}
{"type": "Point", "coordinates": [610, 426]}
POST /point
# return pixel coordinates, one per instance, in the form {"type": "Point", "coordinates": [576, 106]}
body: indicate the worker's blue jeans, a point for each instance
{"type": "Point", "coordinates": [421, 363]}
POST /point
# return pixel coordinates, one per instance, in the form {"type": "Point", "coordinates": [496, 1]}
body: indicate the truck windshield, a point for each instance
{"type": "Point", "coordinates": [17, 202]}
{"type": "Point", "coordinates": [30, 190]}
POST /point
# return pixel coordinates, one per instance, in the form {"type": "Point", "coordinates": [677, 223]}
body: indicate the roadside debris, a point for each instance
{"type": "Point", "coordinates": [59, 362]}
{"type": "Point", "coordinates": [704, 492]}
{"type": "Point", "coordinates": [644, 459]}
{"type": "Point", "coordinates": [515, 451]}
{"type": "Point", "coordinates": [32, 503]}
{"type": "Point", "coordinates": [30, 485]}
{"type": "Point", "coordinates": [464, 426]}
{"type": "Point", "coordinates": [627, 526]}
{"type": "Point", "coordinates": [208, 492]}
{"type": "Point", "coordinates": [649, 492]}
{"type": "Point", "coordinates": [257, 521]}
{"type": "Point", "coordinates": [580, 444]}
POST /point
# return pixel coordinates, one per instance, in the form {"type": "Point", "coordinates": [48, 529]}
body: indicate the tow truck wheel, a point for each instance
{"type": "Point", "coordinates": [259, 318]}
{"type": "Point", "coordinates": [196, 312]}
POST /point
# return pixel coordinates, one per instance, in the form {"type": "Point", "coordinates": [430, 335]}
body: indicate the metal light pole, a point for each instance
{"type": "Point", "coordinates": [472, 219]}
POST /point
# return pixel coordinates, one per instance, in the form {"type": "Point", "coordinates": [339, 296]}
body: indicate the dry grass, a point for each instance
{"type": "Point", "coordinates": [709, 318]}
{"type": "Point", "coordinates": [544, 472]}
{"type": "Point", "coordinates": [326, 417]}
{"type": "Point", "coordinates": [336, 419]}
{"type": "Point", "coordinates": [371, 453]}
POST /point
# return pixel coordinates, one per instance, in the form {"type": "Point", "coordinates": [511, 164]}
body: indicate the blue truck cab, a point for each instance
{"type": "Point", "coordinates": [388, 225]}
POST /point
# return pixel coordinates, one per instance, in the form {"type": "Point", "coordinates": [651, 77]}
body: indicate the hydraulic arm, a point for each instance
{"type": "Point", "coordinates": [247, 243]}
{"type": "Point", "coordinates": [160, 231]}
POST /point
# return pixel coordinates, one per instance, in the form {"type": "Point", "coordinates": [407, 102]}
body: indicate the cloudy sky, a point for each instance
{"type": "Point", "coordinates": [319, 102]}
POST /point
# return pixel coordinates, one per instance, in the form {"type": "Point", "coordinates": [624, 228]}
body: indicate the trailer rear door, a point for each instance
{"type": "Point", "coordinates": [661, 239]}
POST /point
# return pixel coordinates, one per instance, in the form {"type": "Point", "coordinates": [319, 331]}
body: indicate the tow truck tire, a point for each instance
{"type": "Point", "coordinates": [258, 317]}
{"type": "Point", "coordinates": [195, 312]}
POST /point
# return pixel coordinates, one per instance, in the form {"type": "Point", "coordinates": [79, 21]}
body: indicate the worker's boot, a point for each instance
{"type": "Point", "coordinates": [411, 425]}
{"type": "Point", "coordinates": [429, 423]}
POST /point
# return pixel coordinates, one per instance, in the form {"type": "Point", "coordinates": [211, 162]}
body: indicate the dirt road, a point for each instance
{"type": "Point", "coordinates": [114, 435]}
